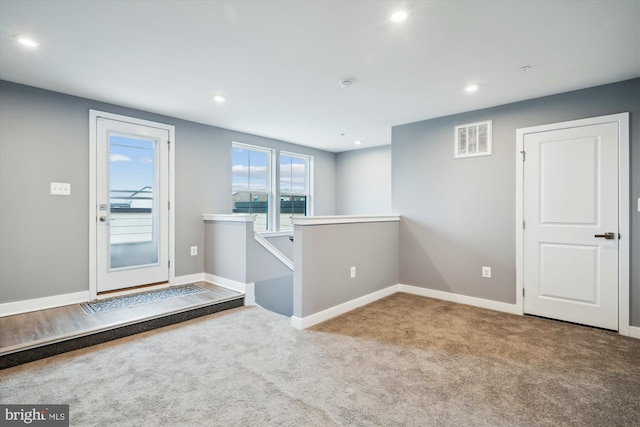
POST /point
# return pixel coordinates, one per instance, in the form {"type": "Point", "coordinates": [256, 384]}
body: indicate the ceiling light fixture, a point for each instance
{"type": "Point", "coordinates": [346, 83]}
{"type": "Point", "coordinates": [471, 88]}
{"type": "Point", "coordinates": [219, 98]}
{"type": "Point", "coordinates": [399, 16]}
{"type": "Point", "coordinates": [28, 42]}
{"type": "Point", "coordinates": [525, 69]}
{"type": "Point", "coordinates": [358, 142]}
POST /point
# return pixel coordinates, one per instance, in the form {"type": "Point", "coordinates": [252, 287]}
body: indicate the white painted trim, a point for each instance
{"type": "Point", "coordinates": [461, 299]}
{"type": "Point", "coordinates": [229, 217]}
{"type": "Point", "coordinates": [93, 208]}
{"type": "Point", "coordinates": [250, 294]}
{"type": "Point", "coordinates": [634, 332]}
{"type": "Point", "coordinates": [187, 279]}
{"type": "Point", "coordinates": [248, 289]}
{"type": "Point", "coordinates": [321, 316]}
{"type": "Point", "coordinates": [226, 283]}
{"type": "Point", "coordinates": [18, 307]}
{"type": "Point", "coordinates": [273, 250]}
{"type": "Point", "coordinates": [343, 219]}
{"type": "Point", "coordinates": [624, 283]}
{"type": "Point", "coordinates": [267, 234]}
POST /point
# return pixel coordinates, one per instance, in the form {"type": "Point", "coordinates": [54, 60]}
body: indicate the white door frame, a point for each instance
{"type": "Point", "coordinates": [93, 206]}
{"type": "Point", "coordinates": [622, 119]}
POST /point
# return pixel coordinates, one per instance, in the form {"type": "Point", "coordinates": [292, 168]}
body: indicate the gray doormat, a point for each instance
{"type": "Point", "coordinates": [128, 301]}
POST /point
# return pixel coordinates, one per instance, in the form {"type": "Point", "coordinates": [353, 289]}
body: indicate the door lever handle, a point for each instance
{"type": "Point", "coordinates": [103, 218]}
{"type": "Point", "coordinates": [608, 235]}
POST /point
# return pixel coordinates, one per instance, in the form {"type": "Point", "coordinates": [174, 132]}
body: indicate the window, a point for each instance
{"type": "Point", "coordinates": [251, 183]}
{"type": "Point", "coordinates": [472, 140]}
{"type": "Point", "coordinates": [253, 191]}
{"type": "Point", "coordinates": [294, 187]}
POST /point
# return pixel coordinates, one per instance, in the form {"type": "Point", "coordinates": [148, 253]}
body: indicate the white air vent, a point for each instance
{"type": "Point", "coordinates": [473, 140]}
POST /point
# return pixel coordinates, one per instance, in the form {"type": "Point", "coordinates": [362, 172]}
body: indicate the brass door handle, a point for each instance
{"type": "Point", "coordinates": [608, 236]}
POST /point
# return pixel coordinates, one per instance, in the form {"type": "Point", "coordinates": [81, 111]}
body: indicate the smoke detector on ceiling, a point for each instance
{"type": "Point", "coordinates": [346, 83]}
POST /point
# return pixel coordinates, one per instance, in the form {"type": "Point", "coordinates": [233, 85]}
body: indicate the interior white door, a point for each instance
{"type": "Point", "coordinates": [571, 245]}
{"type": "Point", "coordinates": [132, 193]}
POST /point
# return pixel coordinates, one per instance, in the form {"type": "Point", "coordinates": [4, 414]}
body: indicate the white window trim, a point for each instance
{"type": "Point", "coordinates": [308, 184]}
{"type": "Point", "coordinates": [272, 218]}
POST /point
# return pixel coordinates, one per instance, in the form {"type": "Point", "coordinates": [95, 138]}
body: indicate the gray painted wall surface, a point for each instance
{"type": "Point", "coordinates": [324, 255]}
{"type": "Point", "coordinates": [283, 244]}
{"type": "Point", "coordinates": [458, 215]}
{"type": "Point", "coordinates": [228, 250]}
{"type": "Point", "coordinates": [44, 137]}
{"type": "Point", "coordinates": [273, 280]}
{"type": "Point", "coordinates": [363, 182]}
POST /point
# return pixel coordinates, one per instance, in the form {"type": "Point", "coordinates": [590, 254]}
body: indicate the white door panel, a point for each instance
{"type": "Point", "coordinates": [132, 194]}
{"type": "Point", "coordinates": [570, 196]}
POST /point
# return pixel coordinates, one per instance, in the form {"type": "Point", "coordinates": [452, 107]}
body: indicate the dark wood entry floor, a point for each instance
{"type": "Point", "coordinates": [31, 336]}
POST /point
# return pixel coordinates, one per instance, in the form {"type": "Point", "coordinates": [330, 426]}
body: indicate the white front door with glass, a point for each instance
{"type": "Point", "coordinates": [132, 204]}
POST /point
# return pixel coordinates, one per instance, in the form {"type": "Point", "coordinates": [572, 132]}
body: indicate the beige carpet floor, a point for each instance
{"type": "Point", "coordinates": [402, 361]}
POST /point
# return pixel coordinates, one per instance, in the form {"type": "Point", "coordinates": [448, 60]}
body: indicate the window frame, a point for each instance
{"type": "Point", "coordinates": [308, 160]}
{"type": "Point", "coordinates": [271, 219]}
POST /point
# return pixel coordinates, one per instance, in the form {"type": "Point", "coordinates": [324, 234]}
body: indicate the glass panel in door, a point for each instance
{"type": "Point", "coordinates": [133, 219]}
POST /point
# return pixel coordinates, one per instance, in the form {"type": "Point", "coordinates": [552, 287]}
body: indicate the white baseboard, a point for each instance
{"type": "Point", "coordinates": [462, 299]}
{"type": "Point", "coordinates": [250, 294]}
{"type": "Point", "coordinates": [314, 319]}
{"type": "Point", "coordinates": [321, 316]}
{"type": "Point", "coordinates": [187, 279]}
{"type": "Point", "coordinates": [18, 307]}
{"type": "Point", "coordinates": [248, 289]}
{"type": "Point", "coordinates": [634, 332]}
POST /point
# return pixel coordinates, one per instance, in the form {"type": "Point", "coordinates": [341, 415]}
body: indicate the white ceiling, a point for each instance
{"type": "Point", "coordinates": [279, 62]}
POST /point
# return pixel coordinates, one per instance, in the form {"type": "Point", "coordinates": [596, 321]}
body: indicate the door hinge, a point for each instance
{"type": "Point", "coordinates": [523, 224]}
{"type": "Point", "coordinates": [524, 155]}
{"type": "Point", "coordinates": [169, 205]}
{"type": "Point", "coordinates": [523, 292]}
{"type": "Point", "coordinates": [169, 264]}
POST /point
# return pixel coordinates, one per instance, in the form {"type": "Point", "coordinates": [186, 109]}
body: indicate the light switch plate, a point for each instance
{"type": "Point", "coordinates": [60, 188]}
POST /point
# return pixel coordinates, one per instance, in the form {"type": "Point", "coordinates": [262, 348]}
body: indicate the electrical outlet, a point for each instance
{"type": "Point", "coordinates": [194, 250]}
{"type": "Point", "coordinates": [486, 272]}
{"type": "Point", "coordinates": [353, 272]}
{"type": "Point", "coordinates": [60, 189]}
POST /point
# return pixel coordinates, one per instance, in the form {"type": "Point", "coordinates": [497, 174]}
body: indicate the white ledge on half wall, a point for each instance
{"type": "Point", "coordinates": [343, 219]}
{"type": "Point", "coordinates": [229, 217]}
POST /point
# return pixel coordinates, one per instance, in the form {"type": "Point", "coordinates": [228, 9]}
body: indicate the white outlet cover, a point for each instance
{"type": "Point", "coordinates": [486, 272]}
{"type": "Point", "coordinates": [61, 188]}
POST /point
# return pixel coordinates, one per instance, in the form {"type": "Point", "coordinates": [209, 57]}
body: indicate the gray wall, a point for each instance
{"type": "Point", "coordinates": [228, 250]}
{"type": "Point", "coordinates": [363, 181]}
{"type": "Point", "coordinates": [324, 255]}
{"type": "Point", "coordinates": [44, 137]}
{"type": "Point", "coordinates": [458, 215]}
{"type": "Point", "coordinates": [283, 244]}
{"type": "Point", "coordinates": [273, 280]}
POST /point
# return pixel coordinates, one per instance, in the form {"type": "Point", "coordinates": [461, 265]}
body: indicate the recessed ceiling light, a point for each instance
{"type": "Point", "coordinates": [219, 98]}
{"type": "Point", "coordinates": [471, 88]}
{"type": "Point", "coordinates": [399, 16]}
{"type": "Point", "coordinates": [28, 42]}
{"type": "Point", "coordinates": [346, 83]}
{"type": "Point", "coordinates": [358, 142]}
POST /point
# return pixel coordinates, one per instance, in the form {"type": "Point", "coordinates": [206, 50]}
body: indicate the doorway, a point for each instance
{"type": "Point", "coordinates": [130, 212]}
{"type": "Point", "coordinates": [572, 221]}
